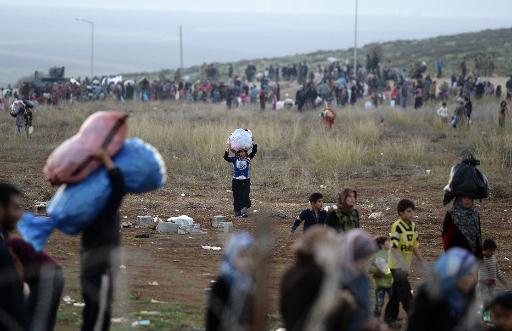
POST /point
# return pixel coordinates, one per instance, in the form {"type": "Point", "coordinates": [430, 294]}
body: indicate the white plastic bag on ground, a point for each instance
{"type": "Point", "coordinates": [240, 139]}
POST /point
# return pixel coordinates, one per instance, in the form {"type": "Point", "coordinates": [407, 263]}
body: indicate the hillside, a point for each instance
{"type": "Point", "coordinates": [452, 49]}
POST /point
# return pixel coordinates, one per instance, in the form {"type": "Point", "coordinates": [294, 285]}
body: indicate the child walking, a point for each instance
{"type": "Point", "coordinates": [345, 216]}
{"type": "Point", "coordinates": [382, 277]}
{"type": "Point", "coordinates": [490, 272]}
{"type": "Point", "coordinates": [442, 112]}
{"type": "Point", "coordinates": [241, 183]}
{"type": "Point", "coordinates": [312, 216]}
{"type": "Point", "coordinates": [404, 243]}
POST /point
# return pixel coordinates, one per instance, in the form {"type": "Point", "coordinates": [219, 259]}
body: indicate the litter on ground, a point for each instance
{"type": "Point", "coordinates": [211, 248]}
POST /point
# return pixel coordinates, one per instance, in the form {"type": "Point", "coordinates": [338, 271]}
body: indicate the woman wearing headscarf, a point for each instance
{"type": "Point", "coordinates": [357, 248]}
{"type": "Point", "coordinates": [310, 296]}
{"type": "Point", "coordinates": [344, 217]}
{"type": "Point", "coordinates": [446, 303]}
{"type": "Point", "coordinates": [231, 297]}
{"type": "Point", "coordinates": [461, 227]}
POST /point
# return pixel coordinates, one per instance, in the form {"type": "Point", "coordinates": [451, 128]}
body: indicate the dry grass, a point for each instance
{"type": "Point", "coordinates": [295, 151]}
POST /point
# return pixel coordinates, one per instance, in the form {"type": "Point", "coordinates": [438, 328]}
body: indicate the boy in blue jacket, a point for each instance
{"type": "Point", "coordinates": [312, 216]}
{"type": "Point", "coordinates": [241, 183]}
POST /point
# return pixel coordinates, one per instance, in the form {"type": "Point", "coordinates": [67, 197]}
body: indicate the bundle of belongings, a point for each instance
{"type": "Point", "coordinates": [85, 185]}
{"type": "Point", "coordinates": [22, 111]}
{"type": "Point", "coordinates": [240, 139]}
{"type": "Point", "coordinates": [72, 161]}
{"type": "Point", "coordinates": [466, 180]}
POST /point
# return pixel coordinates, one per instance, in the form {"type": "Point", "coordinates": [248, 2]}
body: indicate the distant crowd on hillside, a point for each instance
{"type": "Point", "coordinates": [333, 82]}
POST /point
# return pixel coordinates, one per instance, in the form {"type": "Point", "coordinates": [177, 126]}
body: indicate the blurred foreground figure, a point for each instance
{"type": "Point", "coordinates": [45, 279]}
{"type": "Point", "coordinates": [357, 249]}
{"type": "Point", "coordinates": [310, 293]}
{"type": "Point", "coordinates": [448, 302]}
{"type": "Point", "coordinates": [20, 263]}
{"type": "Point", "coordinates": [501, 312]}
{"type": "Point", "coordinates": [231, 300]}
{"type": "Point", "coordinates": [13, 311]}
{"type": "Point", "coordinates": [99, 256]}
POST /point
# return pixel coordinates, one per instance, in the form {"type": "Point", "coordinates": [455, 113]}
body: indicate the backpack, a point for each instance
{"type": "Point", "coordinates": [466, 180]}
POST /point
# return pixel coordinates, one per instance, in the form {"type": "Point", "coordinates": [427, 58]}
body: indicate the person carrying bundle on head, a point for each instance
{"type": "Point", "coordinates": [241, 183]}
{"type": "Point", "coordinates": [461, 225]}
{"type": "Point", "coordinates": [22, 111]}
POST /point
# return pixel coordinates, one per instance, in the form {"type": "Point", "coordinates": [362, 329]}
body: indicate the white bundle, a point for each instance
{"type": "Point", "coordinates": [240, 139]}
{"type": "Point", "coordinates": [17, 107]}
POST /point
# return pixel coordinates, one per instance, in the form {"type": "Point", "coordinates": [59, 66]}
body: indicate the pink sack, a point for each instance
{"type": "Point", "coordinates": [72, 161]}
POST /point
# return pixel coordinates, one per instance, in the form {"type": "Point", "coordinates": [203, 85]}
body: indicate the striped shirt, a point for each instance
{"type": "Point", "coordinates": [404, 238]}
{"type": "Point", "coordinates": [490, 271]}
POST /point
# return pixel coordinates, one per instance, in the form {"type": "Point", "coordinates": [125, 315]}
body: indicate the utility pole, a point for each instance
{"type": "Point", "coordinates": [355, 42]}
{"type": "Point", "coordinates": [92, 42]}
{"type": "Point", "coordinates": [181, 48]}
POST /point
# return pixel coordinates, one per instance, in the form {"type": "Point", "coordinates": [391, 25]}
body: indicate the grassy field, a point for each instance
{"type": "Point", "coordinates": [297, 152]}
{"type": "Point", "coordinates": [384, 153]}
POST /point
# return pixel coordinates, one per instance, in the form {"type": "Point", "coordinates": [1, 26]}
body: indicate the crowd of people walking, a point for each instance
{"type": "Point", "coordinates": [333, 82]}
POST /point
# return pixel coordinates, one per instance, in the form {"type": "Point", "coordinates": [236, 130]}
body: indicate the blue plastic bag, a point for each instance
{"type": "Point", "coordinates": [74, 207]}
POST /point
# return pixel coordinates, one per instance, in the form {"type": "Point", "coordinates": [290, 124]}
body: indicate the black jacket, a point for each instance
{"type": "Point", "coordinates": [430, 313]}
{"type": "Point", "coordinates": [102, 236]}
{"type": "Point", "coordinates": [300, 288]}
{"type": "Point", "coordinates": [13, 309]}
{"type": "Point", "coordinates": [250, 156]}
{"type": "Point", "coordinates": [219, 306]}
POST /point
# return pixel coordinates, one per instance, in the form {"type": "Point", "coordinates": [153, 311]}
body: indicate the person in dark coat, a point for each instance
{"type": "Point", "coordinates": [468, 109]}
{"type": "Point", "coordinates": [310, 293]}
{"type": "Point", "coordinates": [461, 227]}
{"type": "Point", "coordinates": [231, 298]}
{"type": "Point", "coordinates": [502, 115]}
{"type": "Point", "coordinates": [99, 255]}
{"type": "Point", "coordinates": [263, 98]}
{"type": "Point", "coordinates": [447, 302]}
{"type": "Point", "coordinates": [300, 98]}
{"type": "Point", "coordinates": [14, 314]}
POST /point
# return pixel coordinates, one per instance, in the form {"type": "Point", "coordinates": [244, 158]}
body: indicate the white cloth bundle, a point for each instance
{"type": "Point", "coordinates": [240, 139]}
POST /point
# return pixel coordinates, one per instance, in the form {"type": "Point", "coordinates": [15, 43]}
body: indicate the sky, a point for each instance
{"type": "Point", "coordinates": [136, 36]}
{"type": "Point", "coordinates": [432, 8]}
